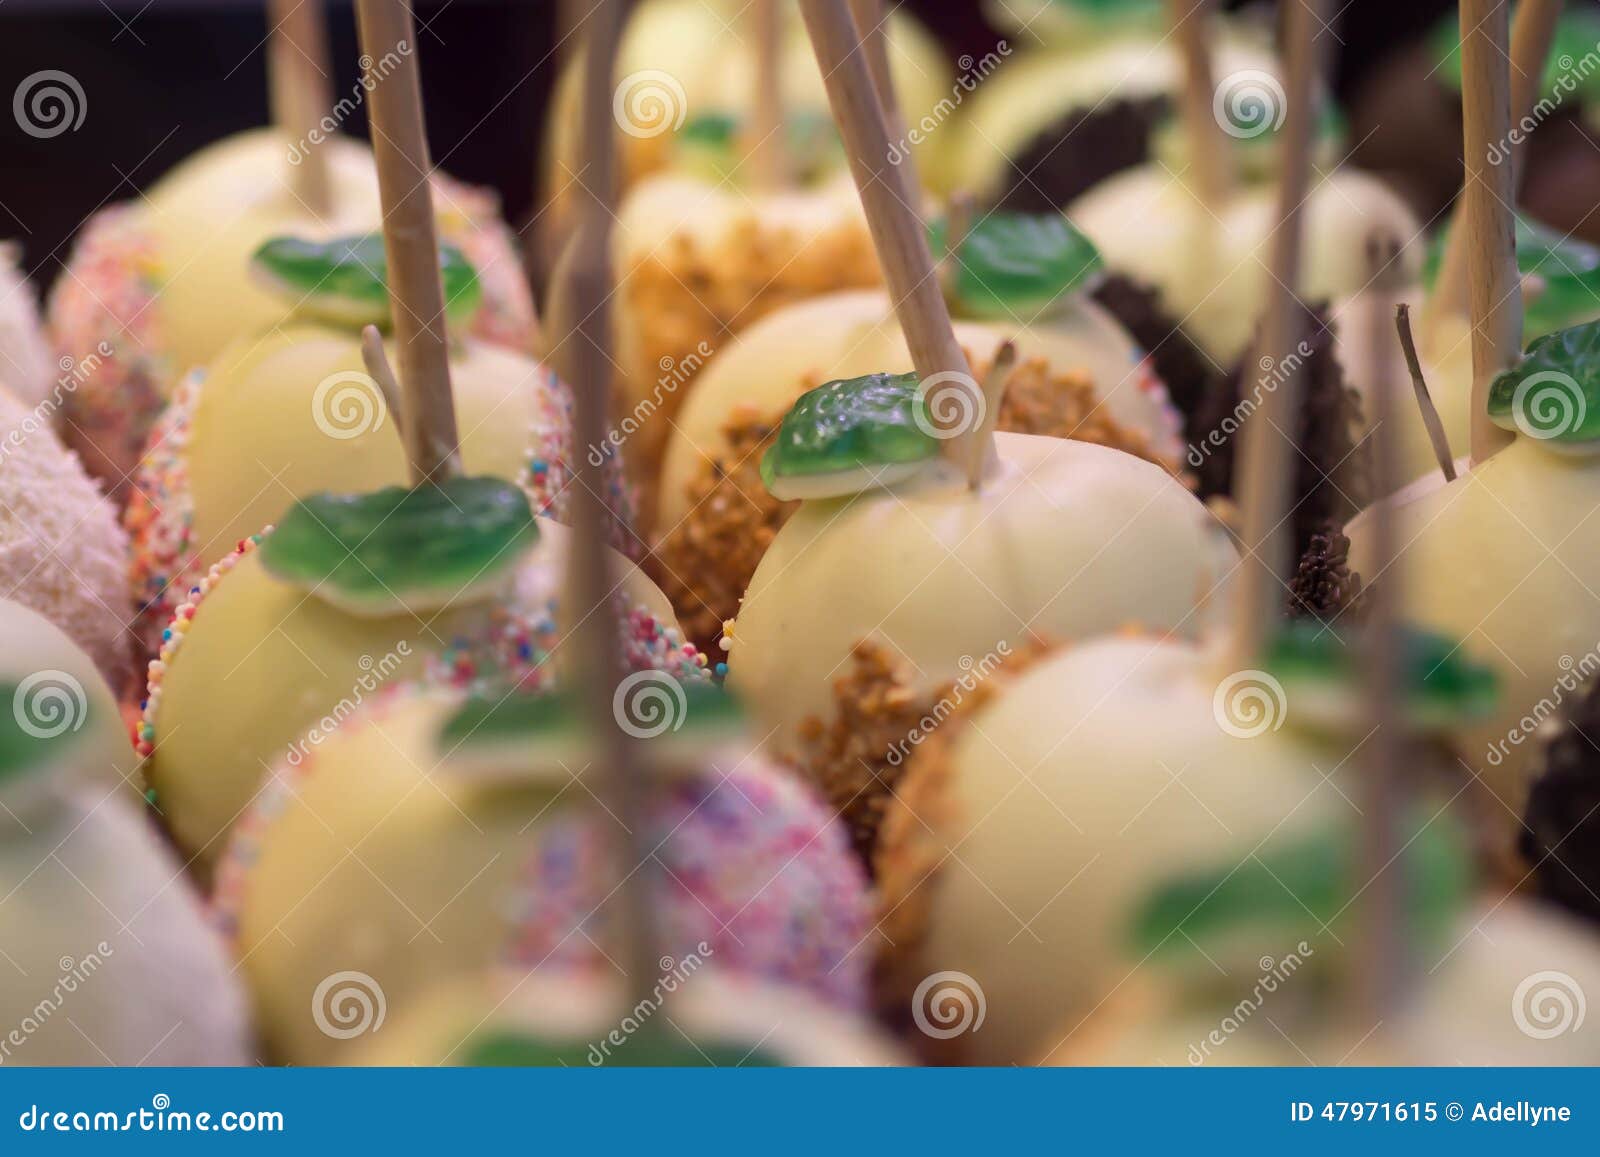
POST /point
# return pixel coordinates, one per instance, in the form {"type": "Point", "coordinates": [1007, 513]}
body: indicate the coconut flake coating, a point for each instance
{"type": "Point", "coordinates": [108, 298]}
{"type": "Point", "coordinates": [62, 551]}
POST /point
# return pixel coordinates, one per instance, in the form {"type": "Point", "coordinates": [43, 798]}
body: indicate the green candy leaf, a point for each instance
{"type": "Point", "coordinates": [711, 145]}
{"type": "Point", "coordinates": [345, 281]}
{"type": "Point", "coordinates": [1553, 393]}
{"type": "Point", "coordinates": [714, 129]}
{"type": "Point", "coordinates": [851, 435]}
{"type": "Point", "coordinates": [645, 1048]}
{"type": "Point", "coordinates": [1299, 884]}
{"type": "Point", "coordinates": [401, 549]}
{"type": "Point", "coordinates": [515, 736]}
{"type": "Point", "coordinates": [492, 718]}
{"type": "Point", "coordinates": [501, 737]}
{"type": "Point", "coordinates": [41, 718]}
{"type": "Point", "coordinates": [1016, 263]}
{"type": "Point", "coordinates": [1321, 674]}
{"type": "Point", "coordinates": [1091, 16]}
{"type": "Point", "coordinates": [1577, 34]}
{"type": "Point", "coordinates": [1565, 274]}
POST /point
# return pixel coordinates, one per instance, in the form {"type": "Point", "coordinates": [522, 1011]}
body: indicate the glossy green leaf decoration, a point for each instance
{"type": "Point", "coordinates": [492, 717]}
{"type": "Point", "coordinates": [848, 436]}
{"type": "Point", "coordinates": [1013, 265]}
{"type": "Point", "coordinates": [715, 129]}
{"type": "Point", "coordinates": [344, 281]}
{"type": "Point", "coordinates": [1577, 34]}
{"type": "Point", "coordinates": [1553, 393]}
{"type": "Point", "coordinates": [399, 549]}
{"type": "Point", "coordinates": [710, 144]}
{"type": "Point", "coordinates": [1321, 673]}
{"type": "Point", "coordinates": [1563, 272]}
{"type": "Point", "coordinates": [41, 718]}
{"type": "Point", "coordinates": [1297, 885]}
{"type": "Point", "coordinates": [647, 1047]}
{"type": "Point", "coordinates": [499, 735]}
{"type": "Point", "coordinates": [1088, 17]}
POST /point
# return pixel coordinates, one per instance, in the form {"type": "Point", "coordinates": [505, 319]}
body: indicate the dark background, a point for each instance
{"type": "Point", "coordinates": [164, 78]}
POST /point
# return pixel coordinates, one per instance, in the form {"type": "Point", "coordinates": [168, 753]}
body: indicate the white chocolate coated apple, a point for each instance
{"type": "Point", "coordinates": [1444, 349]}
{"type": "Point", "coordinates": [756, 876]}
{"type": "Point", "coordinates": [1509, 987]}
{"type": "Point", "coordinates": [1031, 90]}
{"type": "Point", "coordinates": [708, 1007]}
{"type": "Point", "coordinates": [210, 214]}
{"type": "Point", "coordinates": [680, 59]}
{"type": "Point", "coordinates": [290, 413]}
{"type": "Point", "coordinates": [846, 335]}
{"type": "Point", "coordinates": [1504, 559]}
{"type": "Point", "coordinates": [113, 960]}
{"type": "Point", "coordinates": [1062, 540]}
{"type": "Point", "coordinates": [1101, 773]}
{"type": "Point", "coordinates": [1210, 264]}
{"type": "Point", "coordinates": [261, 661]}
{"type": "Point", "coordinates": [697, 263]}
{"type": "Point", "coordinates": [67, 689]}
{"type": "Point", "coordinates": [164, 283]}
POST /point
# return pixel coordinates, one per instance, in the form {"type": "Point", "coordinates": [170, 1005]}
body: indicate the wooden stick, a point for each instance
{"type": "Point", "coordinates": [298, 72]}
{"type": "Point", "coordinates": [897, 230]}
{"type": "Point", "coordinates": [591, 581]}
{"type": "Point", "coordinates": [410, 240]}
{"type": "Point", "coordinates": [382, 375]}
{"type": "Point", "coordinates": [1210, 149]}
{"type": "Point", "coordinates": [1381, 950]}
{"type": "Point", "coordinates": [994, 385]}
{"type": "Point", "coordinates": [870, 20]}
{"type": "Point", "coordinates": [767, 147]}
{"type": "Point", "coordinates": [1267, 453]}
{"type": "Point", "coordinates": [1494, 280]}
{"type": "Point", "coordinates": [1419, 387]}
{"type": "Point", "coordinates": [958, 217]}
{"type": "Point", "coordinates": [1532, 33]}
